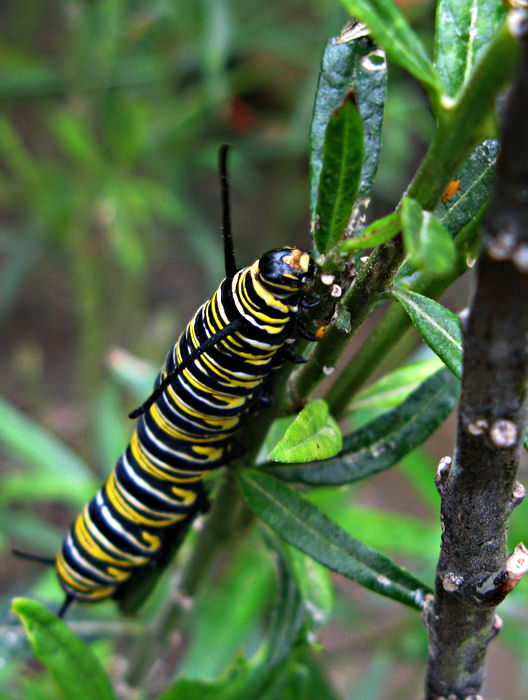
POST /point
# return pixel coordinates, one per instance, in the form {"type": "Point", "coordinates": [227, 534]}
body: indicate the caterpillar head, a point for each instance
{"type": "Point", "coordinates": [286, 271]}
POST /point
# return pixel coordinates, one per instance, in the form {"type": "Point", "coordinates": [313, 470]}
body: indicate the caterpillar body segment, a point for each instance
{"type": "Point", "coordinates": [209, 384]}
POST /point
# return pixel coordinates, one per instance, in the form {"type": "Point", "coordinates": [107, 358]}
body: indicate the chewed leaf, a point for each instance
{"type": "Point", "coordinates": [313, 435]}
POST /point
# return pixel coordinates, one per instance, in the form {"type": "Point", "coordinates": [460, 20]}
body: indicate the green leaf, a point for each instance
{"type": "Point", "coordinates": [379, 445]}
{"type": "Point", "coordinates": [376, 233]}
{"type": "Point", "coordinates": [339, 181]}
{"type": "Point", "coordinates": [462, 216]}
{"type": "Point", "coordinates": [75, 670]}
{"type": "Point", "coordinates": [392, 388]}
{"type": "Point", "coordinates": [347, 65]}
{"type": "Point", "coordinates": [313, 434]}
{"type": "Point", "coordinates": [427, 243]}
{"type": "Point", "coordinates": [391, 31]}
{"type": "Point", "coordinates": [477, 178]}
{"type": "Point", "coordinates": [304, 526]}
{"type": "Point", "coordinates": [400, 534]}
{"type": "Point", "coordinates": [112, 427]}
{"type": "Point", "coordinates": [463, 29]}
{"type": "Point", "coordinates": [439, 327]}
{"type": "Point", "coordinates": [30, 443]}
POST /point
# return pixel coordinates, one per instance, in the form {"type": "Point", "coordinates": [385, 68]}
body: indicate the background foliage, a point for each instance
{"type": "Point", "coordinates": [112, 114]}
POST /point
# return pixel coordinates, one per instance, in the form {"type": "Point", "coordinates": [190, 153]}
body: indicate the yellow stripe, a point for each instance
{"type": "Point", "coordinates": [137, 451]}
{"type": "Point", "coordinates": [127, 511]}
{"type": "Point", "coordinates": [135, 559]}
{"type": "Point", "coordinates": [79, 583]}
{"type": "Point", "coordinates": [188, 497]}
{"type": "Point", "coordinates": [169, 429]}
{"type": "Point", "coordinates": [88, 543]}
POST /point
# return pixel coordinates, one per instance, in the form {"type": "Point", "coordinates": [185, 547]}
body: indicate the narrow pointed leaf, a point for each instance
{"type": "Point", "coordinates": [427, 243]}
{"type": "Point", "coordinates": [477, 178]}
{"type": "Point", "coordinates": [75, 670]}
{"type": "Point", "coordinates": [355, 64]}
{"type": "Point", "coordinates": [314, 434]}
{"type": "Point", "coordinates": [339, 181]}
{"type": "Point", "coordinates": [392, 389]}
{"type": "Point", "coordinates": [391, 31]}
{"type": "Point", "coordinates": [439, 327]}
{"type": "Point", "coordinates": [463, 28]}
{"type": "Point", "coordinates": [304, 526]}
{"type": "Point", "coordinates": [380, 444]}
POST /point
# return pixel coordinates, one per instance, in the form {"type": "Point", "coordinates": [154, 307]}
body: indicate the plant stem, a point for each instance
{"type": "Point", "coordinates": [479, 490]}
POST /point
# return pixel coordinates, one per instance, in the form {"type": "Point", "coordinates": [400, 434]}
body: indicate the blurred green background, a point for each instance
{"type": "Point", "coordinates": [112, 112]}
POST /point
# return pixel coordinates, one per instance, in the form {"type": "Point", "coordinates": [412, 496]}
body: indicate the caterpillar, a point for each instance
{"type": "Point", "coordinates": [210, 383]}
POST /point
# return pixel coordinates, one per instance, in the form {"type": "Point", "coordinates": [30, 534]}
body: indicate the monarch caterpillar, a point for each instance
{"type": "Point", "coordinates": [211, 380]}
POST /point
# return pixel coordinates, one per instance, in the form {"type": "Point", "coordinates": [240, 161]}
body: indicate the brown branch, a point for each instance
{"type": "Point", "coordinates": [479, 489]}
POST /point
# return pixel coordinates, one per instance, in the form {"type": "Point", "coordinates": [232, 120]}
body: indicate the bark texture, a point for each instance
{"type": "Point", "coordinates": [479, 489]}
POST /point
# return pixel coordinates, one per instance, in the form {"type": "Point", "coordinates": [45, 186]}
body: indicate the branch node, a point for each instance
{"type": "Point", "coordinates": [503, 433]}
{"type": "Point", "coordinates": [518, 494]}
{"type": "Point", "coordinates": [477, 427]}
{"type": "Point", "coordinates": [516, 567]}
{"type": "Point", "coordinates": [442, 473]}
{"type": "Point", "coordinates": [493, 588]}
{"type": "Point", "coordinates": [451, 582]}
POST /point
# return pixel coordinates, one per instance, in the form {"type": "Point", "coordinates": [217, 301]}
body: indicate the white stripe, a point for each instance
{"type": "Point", "coordinates": [145, 486]}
